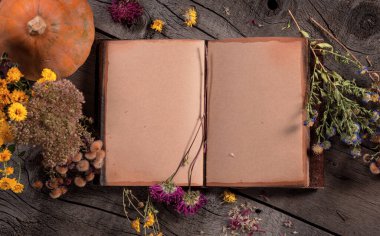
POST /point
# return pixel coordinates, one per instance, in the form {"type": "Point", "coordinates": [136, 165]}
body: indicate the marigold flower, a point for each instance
{"type": "Point", "coordinates": [149, 220]}
{"type": "Point", "coordinates": [191, 202]}
{"type": "Point", "coordinates": [229, 197]}
{"type": "Point", "coordinates": [157, 25]}
{"type": "Point", "coordinates": [136, 225]}
{"type": "Point", "coordinates": [3, 83]}
{"type": "Point", "coordinates": [5, 155]}
{"type": "Point", "coordinates": [7, 183]}
{"type": "Point", "coordinates": [9, 170]}
{"type": "Point", "coordinates": [191, 17]}
{"type": "Point", "coordinates": [19, 96]}
{"type": "Point", "coordinates": [18, 188]}
{"type": "Point", "coordinates": [14, 75]}
{"type": "Point", "coordinates": [47, 75]}
{"type": "Point", "coordinates": [17, 112]}
{"type": "Point", "coordinates": [5, 97]}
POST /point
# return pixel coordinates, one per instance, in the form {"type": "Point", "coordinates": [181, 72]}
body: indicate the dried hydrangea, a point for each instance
{"type": "Point", "coordinates": [54, 114]}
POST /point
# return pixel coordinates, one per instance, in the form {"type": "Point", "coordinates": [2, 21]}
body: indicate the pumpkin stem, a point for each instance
{"type": "Point", "coordinates": [36, 26]}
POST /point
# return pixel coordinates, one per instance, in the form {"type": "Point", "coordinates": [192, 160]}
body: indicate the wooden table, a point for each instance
{"type": "Point", "coordinates": [348, 205]}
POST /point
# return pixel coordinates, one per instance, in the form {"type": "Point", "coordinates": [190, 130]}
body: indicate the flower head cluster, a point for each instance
{"type": "Point", "coordinates": [53, 122]}
{"type": "Point", "coordinates": [191, 202]}
{"type": "Point", "coordinates": [229, 197]}
{"type": "Point", "coordinates": [47, 75]}
{"type": "Point", "coordinates": [166, 192]}
{"type": "Point", "coordinates": [7, 183]}
{"type": "Point", "coordinates": [191, 17]}
{"type": "Point", "coordinates": [157, 25]}
{"type": "Point", "coordinates": [14, 75]}
{"type": "Point", "coordinates": [242, 220]}
{"type": "Point", "coordinates": [126, 11]}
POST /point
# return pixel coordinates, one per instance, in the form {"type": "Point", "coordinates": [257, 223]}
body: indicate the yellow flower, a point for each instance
{"type": "Point", "coordinates": [14, 75]}
{"type": "Point", "coordinates": [191, 17]}
{"type": "Point", "coordinates": [1, 140]}
{"type": "Point", "coordinates": [9, 170]}
{"type": "Point", "coordinates": [3, 83]}
{"type": "Point", "coordinates": [7, 183]}
{"type": "Point", "coordinates": [229, 197]}
{"type": "Point", "coordinates": [18, 188]}
{"type": "Point", "coordinates": [149, 220]}
{"type": "Point", "coordinates": [4, 96]}
{"type": "Point", "coordinates": [19, 96]}
{"type": "Point", "coordinates": [47, 75]}
{"type": "Point", "coordinates": [5, 155]}
{"type": "Point", "coordinates": [157, 25]}
{"type": "Point", "coordinates": [5, 132]}
{"type": "Point", "coordinates": [136, 225]}
{"type": "Point", "coordinates": [17, 112]}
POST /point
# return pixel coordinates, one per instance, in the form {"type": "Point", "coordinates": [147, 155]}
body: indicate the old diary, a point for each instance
{"type": "Point", "coordinates": [233, 107]}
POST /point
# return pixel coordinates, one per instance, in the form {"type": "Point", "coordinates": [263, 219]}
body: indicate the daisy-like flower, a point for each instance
{"type": "Point", "coordinates": [7, 183]}
{"type": "Point", "coordinates": [149, 220]}
{"type": "Point", "coordinates": [47, 75]}
{"type": "Point", "coordinates": [317, 149]}
{"type": "Point", "coordinates": [17, 112]}
{"type": "Point", "coordinates": [157, 25]}
{"type": "Point", "coordinates": [191, 202]}
{"type": "Point", "coordinates": [19, 96]}
{"type": "Point", "coordinates": [229, 197]}
{"type": "Point", "coordinates": [14, 75]}
{"type": "Point", "coordinates": [136, 225]}
{"type": "Point", "coordinates": [17, 188]}
{"type": "Point", "coordinates": [5, 98]}
{"type": "Point", "coordinates": [5, 155]}
{"type": "Point", "coordinates": [9, 170]}
{"type": "Point", "coordinates": [126, 11]}
{"type": "Point", "coordinates": [356, 152]}
{"type": "Point", "coordinates": [191, 17]}
{"type": "Point", "coordinates": [166, 192]}
{"type": "Point", "coordinates": [3, 83]}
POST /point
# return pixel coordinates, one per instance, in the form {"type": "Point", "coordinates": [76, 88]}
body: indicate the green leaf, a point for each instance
{"type": "Point", "coordinates": [325, 45]}
{"type": "Point", "coordinates": [305, 34]}
{"type": "Point", "coordinates": [11, 148]}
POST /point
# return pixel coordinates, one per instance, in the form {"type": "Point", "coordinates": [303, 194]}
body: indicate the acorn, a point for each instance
{"type": "Point", "coordinates": [96, 146]}
{"type": "Point", "coordinates": [63, 190]}
{"type": "Point", "coordinates": [37, 184]}
{"type": "Point", "coordinates": [80, 182]}
{"type": "Point", "coordinates": [62, 170]}
{"type": "Point", "coordinates": [83, 166]}
{"type": "Point", "coordinates": [98, 164]}
{"type": "Point", "coordinates": [101, 154]}
{"type": "Point", "coordinates": [90, 177]}
{"type": "Point", "coordinates": [90, 155]}
{"type": "Point", "coordinates": [56, 193]}
{"type": "Point", "coordinates": [77, 157]}
{"type": "Point", "coordinates": [374, 168]}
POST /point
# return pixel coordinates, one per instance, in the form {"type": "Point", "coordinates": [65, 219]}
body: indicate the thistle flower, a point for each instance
{"type": "Point", "coordinates": [157, 25]}
{"type": "Point", "coordinates": [191, 17]}
{"type": "Point", "coordinates": [317, 149]}
{"type": "Point", "coordinates": [191, 202]}
{"type": "Point", "coordinates": [356, 152]}
{"type": "Point", "coordinates": [166, 192]}
{"type": "Point", "coordinates": [326, 145]}
{"type": "Point", "coordinates": [126, 11]}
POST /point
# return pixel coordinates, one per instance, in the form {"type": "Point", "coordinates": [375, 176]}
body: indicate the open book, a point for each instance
{"type": "Point", "coordinates": [233, 108]}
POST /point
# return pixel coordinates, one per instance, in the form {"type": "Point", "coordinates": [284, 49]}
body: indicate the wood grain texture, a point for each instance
{"type": "Point", "coordinates": [347, 206]}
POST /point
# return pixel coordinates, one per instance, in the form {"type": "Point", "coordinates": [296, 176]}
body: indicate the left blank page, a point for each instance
{"type": "Point", "coordinates": [153, 92]}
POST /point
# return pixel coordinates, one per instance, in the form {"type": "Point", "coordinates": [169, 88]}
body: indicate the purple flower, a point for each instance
{"type": "Point", "coordinates": [166, 192]}
{"type": "Point", "coordinates": [234, 224]}
{"type": "Point", "coordinates": [191, 202]}
{"type": "Point", "coordinates": [126, 11]}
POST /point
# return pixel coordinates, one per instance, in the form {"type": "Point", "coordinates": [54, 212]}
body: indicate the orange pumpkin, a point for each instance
{"type": "Point", "coordinates": [54, 34]}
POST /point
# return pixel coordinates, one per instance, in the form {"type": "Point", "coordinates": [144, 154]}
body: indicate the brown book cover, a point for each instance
{"type": "Point", "coordinates": [249, 93]}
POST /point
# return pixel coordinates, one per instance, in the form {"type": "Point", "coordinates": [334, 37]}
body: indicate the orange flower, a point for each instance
{"type": "Point", "coordinates": [5, 155]}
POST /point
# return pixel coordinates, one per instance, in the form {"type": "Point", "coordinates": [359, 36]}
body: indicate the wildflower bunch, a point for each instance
{"type": "Point", "coordinates": [191, 16]}
{"type": "Point", "coordinates": [243, 220]}
{"type": "Point", "coordinates": [157, 25]}
{"type": "Point", "coordinates": [6, 172]}
{"type": "Point", "coordinates": [338, 99]}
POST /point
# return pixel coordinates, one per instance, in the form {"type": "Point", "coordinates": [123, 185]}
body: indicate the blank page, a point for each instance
{"type": "Point", "coordinates": [255, 107]}
{"type": "Point", "coordinates": [153, 104]}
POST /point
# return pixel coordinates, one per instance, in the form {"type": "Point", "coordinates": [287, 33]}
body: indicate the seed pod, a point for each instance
{"type": "Point", "coordinates": [96, 146]}
{"type": "Point", "coordinates": [83, 166]}
{"type": "Point", "coordinates": [374, 168]}
{"type": "Point", "coordinates": [77, 157]}
{"type": "Point", "coordinates": [90, 177]}
{"type": "Point", "coordinates": [62, 170]}
{"type": "Point", "coordinates": [80, 182]}
{"type": "Point", "coordinates": [55, 193]}
{"type": "Point", "coordinates": [90, 155]}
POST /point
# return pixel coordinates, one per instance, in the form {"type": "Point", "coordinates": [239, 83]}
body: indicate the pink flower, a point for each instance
{"type": "Point", "coordinates": [126, 11]}
{"type": "Point", "coordinates": [166, 192]}
{"type": "Point", "coordinates": [191, 202]}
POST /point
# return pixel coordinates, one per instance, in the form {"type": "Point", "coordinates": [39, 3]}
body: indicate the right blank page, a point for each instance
{"type": "Point", "coordinates": [255, 132]}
